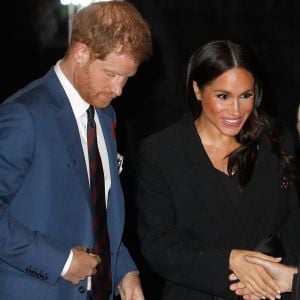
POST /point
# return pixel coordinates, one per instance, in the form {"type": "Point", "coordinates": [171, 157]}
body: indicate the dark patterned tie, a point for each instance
{"type": "Point", "coordinates": [101, 282]}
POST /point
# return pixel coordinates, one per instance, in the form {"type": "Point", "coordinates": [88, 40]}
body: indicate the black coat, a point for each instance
{"type": "Point", "coordinates": [187, 222]}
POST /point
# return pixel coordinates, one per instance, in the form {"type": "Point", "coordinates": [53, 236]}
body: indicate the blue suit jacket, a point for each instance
{"type": "Point", "coordinates": [44, 194]}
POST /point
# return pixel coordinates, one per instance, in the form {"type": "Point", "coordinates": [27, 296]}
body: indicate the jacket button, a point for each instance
{"type": "Point", "coordinates": [81, 289]}
{"type": "Point", "coordinates": [45, 277]}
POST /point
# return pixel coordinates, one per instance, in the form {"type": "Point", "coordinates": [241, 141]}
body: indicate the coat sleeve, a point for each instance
{"type": "Point", "coordinates": [22, 248]}
{"type": "Point", "coordinates": [296, 286]}
{"type": "Point", "coordinates": [164, 248]}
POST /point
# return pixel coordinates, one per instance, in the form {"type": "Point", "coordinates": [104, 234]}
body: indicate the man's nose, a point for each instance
{"type": "Point", "coordinates": [117, 86]}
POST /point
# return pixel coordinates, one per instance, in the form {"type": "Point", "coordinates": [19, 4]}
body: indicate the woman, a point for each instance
{"type": "Point", "coordinates": [217, 185]}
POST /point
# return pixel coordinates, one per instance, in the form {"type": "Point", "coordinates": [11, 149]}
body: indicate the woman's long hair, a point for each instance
{"type": "Point", "coordinates": [208, 63]}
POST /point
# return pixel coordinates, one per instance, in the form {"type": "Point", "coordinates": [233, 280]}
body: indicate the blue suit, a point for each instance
{"type": "Point", "coordinates": [44, 194]}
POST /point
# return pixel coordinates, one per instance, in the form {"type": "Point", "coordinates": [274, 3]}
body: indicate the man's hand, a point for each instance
{"type": "Point", "coordinates": [281, 273]}
{"type": "Point", "coordinates": [130, 287]}
{"type": "Point", "coordinates": [83, 265]}
{"type": "Point", "coordinates": [255, 278]}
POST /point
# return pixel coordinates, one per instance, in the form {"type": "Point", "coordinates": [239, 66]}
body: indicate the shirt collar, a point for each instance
{"type": "Point", "coordinates": [79, 106]}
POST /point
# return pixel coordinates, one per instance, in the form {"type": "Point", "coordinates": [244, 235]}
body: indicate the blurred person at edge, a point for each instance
{"type": "Point", "coordinates": [218, 185]}
{"type": "Point", "coordinates": [45, 203]}
{"type": "Point", "coordinates": [298, 121]}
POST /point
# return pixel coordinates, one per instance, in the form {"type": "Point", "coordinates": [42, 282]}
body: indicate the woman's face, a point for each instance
{"type": "Point", "coordinates": [227, 102]}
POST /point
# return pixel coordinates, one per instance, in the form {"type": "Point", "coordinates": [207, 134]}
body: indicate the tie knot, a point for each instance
{"type": "Point", "coordinates": [90, 112]}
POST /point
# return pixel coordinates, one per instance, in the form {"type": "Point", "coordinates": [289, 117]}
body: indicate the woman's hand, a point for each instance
{"type": "Point", "coordinates": [254, 278]}
{"type": "Point", "coordinates": [281, 273]}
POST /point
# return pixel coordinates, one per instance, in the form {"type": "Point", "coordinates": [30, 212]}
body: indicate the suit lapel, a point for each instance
{"type": "Point", "coordinates": [68, 129]}
{"type": "Point", "coordinates": [107, 129]}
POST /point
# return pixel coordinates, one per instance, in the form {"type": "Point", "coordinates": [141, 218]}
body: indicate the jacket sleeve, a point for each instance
{"type": "Point", "coordinates": [22, 248]}
{"type": "Point", "coordinates": [125, 264]}
{"type": "Point", "coordinates": [164, 248]}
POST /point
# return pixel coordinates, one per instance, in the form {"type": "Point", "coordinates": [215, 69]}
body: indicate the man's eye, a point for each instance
{"type": "Point", "coordinates": [110, 74]}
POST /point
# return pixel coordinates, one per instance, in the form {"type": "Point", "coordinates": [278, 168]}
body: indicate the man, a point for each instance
{"type": "Point", "coordinates": [47, 217]}
{"type": "Point", "coordinates": [285, 276]}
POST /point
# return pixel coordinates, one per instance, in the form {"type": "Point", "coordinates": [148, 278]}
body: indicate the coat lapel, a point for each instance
{"type": "Point", "coordinates": [257, 203]}
{"type": "Point", "coordinates": [204, 181]}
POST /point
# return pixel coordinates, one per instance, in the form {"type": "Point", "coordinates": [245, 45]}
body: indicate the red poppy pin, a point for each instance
{"type": "Point", "coordinates": [284, 183]}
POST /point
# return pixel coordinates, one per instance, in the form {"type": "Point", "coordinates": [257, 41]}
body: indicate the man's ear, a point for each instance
{"type": "Point", "coordinates": [197, 91]}
{"type": "Point", "coordinates": [81, 53]}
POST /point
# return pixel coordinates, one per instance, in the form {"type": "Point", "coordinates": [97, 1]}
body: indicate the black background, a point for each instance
{"type": "Point", "coordinates": [34, 36]}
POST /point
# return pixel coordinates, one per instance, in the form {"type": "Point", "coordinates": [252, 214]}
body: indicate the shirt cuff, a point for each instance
{"type": "Point", "coordinates": [67, 264]}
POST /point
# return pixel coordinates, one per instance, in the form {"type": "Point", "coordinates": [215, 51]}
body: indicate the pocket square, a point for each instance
{"type": "Point", "coordinates": [120, 160]}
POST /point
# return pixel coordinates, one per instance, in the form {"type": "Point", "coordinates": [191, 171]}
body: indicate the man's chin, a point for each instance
{"type": "Point", "coordinates": [103, 103]}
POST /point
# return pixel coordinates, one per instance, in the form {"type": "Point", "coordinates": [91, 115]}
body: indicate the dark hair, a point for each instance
{"type": "Point", "coordinates": [114, 25]}
{"type": "Point", "coordinates": [205, 65]}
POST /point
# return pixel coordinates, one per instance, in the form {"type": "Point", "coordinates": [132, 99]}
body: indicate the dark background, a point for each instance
{"type": "Point", "coordinates": [34, 36]}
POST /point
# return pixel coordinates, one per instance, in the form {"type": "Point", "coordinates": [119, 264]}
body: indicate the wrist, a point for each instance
{"type": "Point", "coordinates": [128, 276]}
{"type": "Point", "coordinates": [131, 273]}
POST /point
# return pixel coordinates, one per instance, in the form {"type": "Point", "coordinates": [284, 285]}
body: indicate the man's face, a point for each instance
{"type": "Point", "coordinates": [100, 81]}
